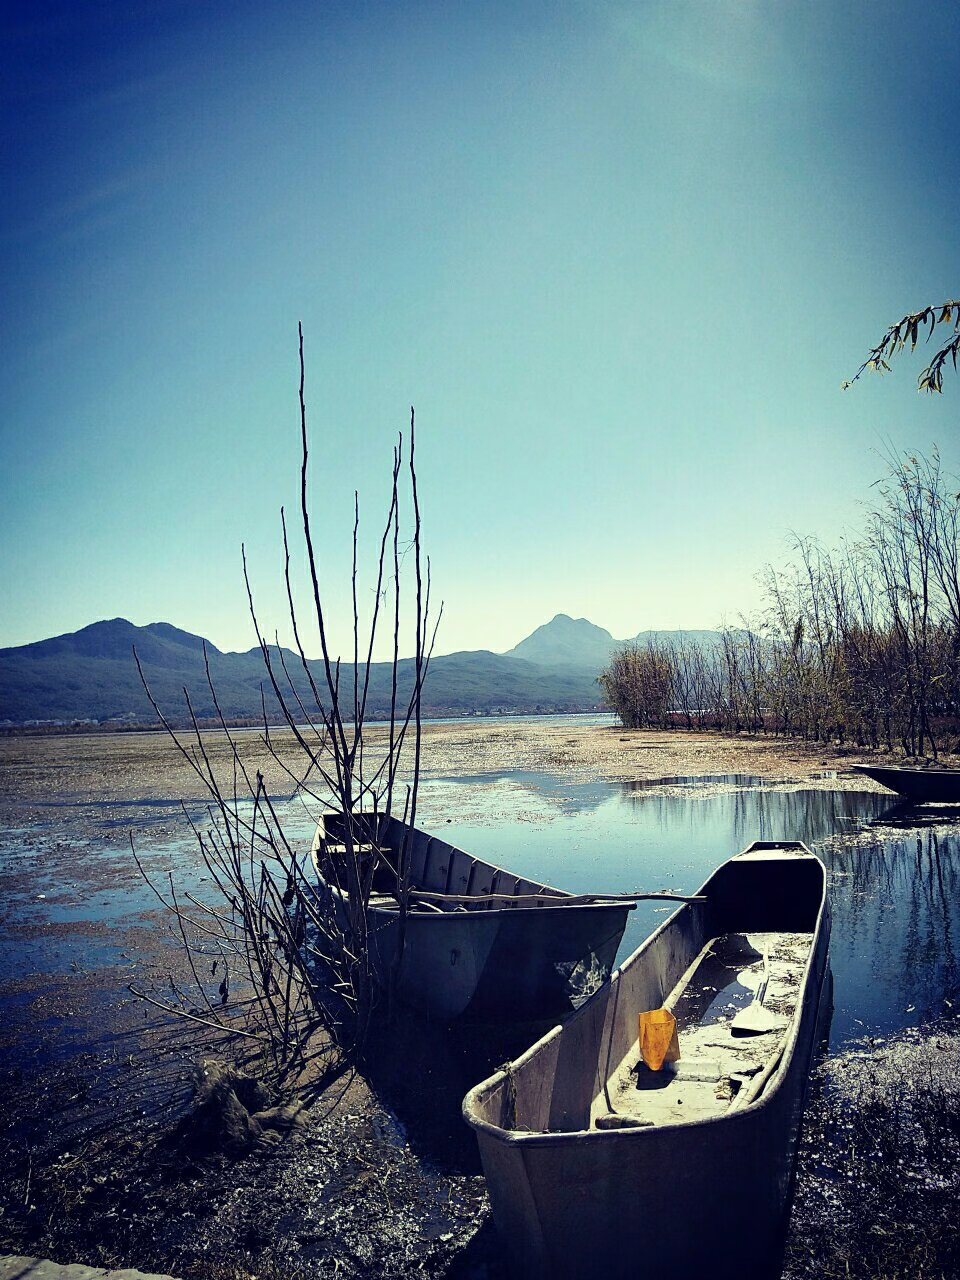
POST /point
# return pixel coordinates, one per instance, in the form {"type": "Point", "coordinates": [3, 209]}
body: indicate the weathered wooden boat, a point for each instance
{"type": "Point", "coordinates": [476, 941]}
{"type": "Point", "coordinates": [598, 1166]}
{"type": "Point", "coordinates": [921, 786]}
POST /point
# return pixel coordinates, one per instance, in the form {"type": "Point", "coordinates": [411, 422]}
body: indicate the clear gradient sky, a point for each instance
{"type": "Point", "coordinates": [619, 255]}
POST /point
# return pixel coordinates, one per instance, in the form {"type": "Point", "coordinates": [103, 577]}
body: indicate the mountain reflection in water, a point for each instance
{"type": "Point", "coordinates": [895, 894]}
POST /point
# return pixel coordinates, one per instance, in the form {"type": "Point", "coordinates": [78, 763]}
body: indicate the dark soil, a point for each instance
{"type": "Point", "coordinates": [118, 1160]}
{"type": "Point", "coordinates": [879, 1167]}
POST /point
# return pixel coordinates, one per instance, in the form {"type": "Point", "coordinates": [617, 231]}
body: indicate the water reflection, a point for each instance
{"type": "Point", "coordinates": [902, 813]}
{"type": "Point", "coordinates": [511, 786]}
{"type": "Point", "coordinates": [698, 783]}
{"type": "Point", "coordinates": [895, 909]}
{"type": "Point", "coordinates": [895, 895]}
{"type": "Point", "coordinates": [755, 814]}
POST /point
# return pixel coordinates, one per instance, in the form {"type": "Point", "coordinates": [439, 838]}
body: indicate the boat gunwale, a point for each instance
{"type": "Point", "coordinates": [914, 770]}
{"type": "Point", "coordinates": [539, 1137]}
{"type": "Point", "coordinates": [484, 913]}
{"type": "Point", "coordinates": [915, 786]}
{"type": "Point", "coordinates": [483, 909]}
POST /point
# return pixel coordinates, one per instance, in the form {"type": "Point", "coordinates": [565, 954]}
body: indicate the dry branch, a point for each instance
{"type": "Point", "coordinates": [294, 947]}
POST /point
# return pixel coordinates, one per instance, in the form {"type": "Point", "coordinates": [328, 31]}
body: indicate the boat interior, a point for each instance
{"type": "Point", "coordinates": [733, 1009]}
{"type": "Point", "coordinates": [455, 880]}
{"type": "Point", "coordinates": [731, 968]}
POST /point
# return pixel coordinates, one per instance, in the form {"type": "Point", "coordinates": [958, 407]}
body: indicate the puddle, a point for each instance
{"type": "Point", "coordinates": [719, 991]}
{"type": "Point", "coordinates": [729, 1001]}
{"type": "Point", "coordinates": [66, 900]}
{"type": "Point", "coordinates": [507, 788]}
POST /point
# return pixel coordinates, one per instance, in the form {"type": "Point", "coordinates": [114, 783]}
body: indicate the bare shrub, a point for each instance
{"type": "Point", "coordinates": [274, 957]}
{"type": "Point", "coordinates": [860, 645]}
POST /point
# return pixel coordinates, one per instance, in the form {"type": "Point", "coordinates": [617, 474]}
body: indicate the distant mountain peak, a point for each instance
{"type": "Point", "coordinates": [93, 639]}
{"type": "Point", "coordinates": [566, 641]}
{"type": "Point", "coordinates": [578, 642]}
{"type": "Point", "coordinates": [115, 638]}
{"type": "Point", "coordinates": [564, 619]}
{"type": "Point", "coordinates": [167, 631]}
{"type": "Point", "coordinates": [105, 626]}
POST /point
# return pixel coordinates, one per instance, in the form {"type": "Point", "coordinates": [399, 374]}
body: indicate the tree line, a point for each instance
{"type": "Point", "coordinates": [859, 645]}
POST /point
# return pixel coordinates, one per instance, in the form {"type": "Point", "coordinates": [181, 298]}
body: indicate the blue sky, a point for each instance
{"type": "Point", "coordinates": [620, 256]}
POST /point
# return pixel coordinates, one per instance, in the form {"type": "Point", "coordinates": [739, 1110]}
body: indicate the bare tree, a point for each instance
{"type": "Point", "coordinates": [276, 954]}
{"type": "Point", "coordinates": [858, 645]}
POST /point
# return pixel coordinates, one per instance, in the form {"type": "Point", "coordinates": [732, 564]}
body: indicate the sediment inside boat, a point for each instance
{"type": "Point", "coordinates": [734, 1007]}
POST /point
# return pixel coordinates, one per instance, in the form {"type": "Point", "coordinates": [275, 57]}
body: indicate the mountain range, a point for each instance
{"type": "Point", "coordinates": [91, 675]}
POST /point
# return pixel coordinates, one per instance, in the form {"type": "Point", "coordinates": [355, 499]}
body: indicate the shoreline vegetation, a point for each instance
{"type": "Point", "coordinates": [858, 646]}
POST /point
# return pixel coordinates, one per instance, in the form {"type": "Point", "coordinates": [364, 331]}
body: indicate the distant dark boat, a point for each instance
{"type": "Point", "coordinates": [922, 786]}
{"type": "Point", "coordinates": [477, 941]}
{"type": "Point", "coordinates": [598, 1166]}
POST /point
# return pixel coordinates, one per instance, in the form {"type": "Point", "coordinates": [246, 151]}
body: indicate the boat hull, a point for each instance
{"type": "Point", "coordinates": [514, 961]}
{"type": "Point", "coordinates": [511, 964]}
{"type": "Point", "coordinates": [921, 786]}
{"type": "Point", "coordinates": [706, 1198]}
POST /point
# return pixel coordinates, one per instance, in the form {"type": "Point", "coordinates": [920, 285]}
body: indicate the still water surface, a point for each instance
{"type": "Point", "coordinates": [894, 878]}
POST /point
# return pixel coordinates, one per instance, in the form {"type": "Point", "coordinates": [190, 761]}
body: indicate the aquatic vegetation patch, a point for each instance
{"type": "Point", "coordinates": [880, 1163]}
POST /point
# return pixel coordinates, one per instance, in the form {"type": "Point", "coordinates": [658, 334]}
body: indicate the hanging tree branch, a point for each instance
{"type": "Point", "coordinates": [909, 331]}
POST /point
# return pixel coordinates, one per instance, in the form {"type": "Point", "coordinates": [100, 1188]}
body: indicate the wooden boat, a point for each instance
{"type": "Point", "coordinates": [598, 1166]}
{"type": "Point", "coordinates": [922, 786]}
{"type": "Point", "coordinates": [476, 941]}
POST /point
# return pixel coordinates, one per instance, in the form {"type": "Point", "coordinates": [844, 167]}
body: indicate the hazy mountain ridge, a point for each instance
{"type": "Point", "coordinates": [90, 674]}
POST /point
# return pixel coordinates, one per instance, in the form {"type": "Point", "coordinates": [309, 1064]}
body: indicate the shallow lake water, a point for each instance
{"type": "Point", "coordinates": [894, 876]}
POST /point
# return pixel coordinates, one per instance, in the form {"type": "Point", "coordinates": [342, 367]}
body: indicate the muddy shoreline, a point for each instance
{"type": "Point", "coordinates": [381, 1181]}
{"type": "Point", "coordinates": [125, 775]}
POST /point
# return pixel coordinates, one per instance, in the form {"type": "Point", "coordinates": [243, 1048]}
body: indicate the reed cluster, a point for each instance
{"type": "Point", "coordinates": [858, 645]}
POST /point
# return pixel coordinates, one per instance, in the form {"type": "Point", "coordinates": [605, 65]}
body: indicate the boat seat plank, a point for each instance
{"type": "Point", "coordinates": [339, 848]}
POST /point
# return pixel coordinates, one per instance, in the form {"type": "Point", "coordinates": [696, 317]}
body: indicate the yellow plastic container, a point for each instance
{"type": "Point", "coordinates": [658, 1038]}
